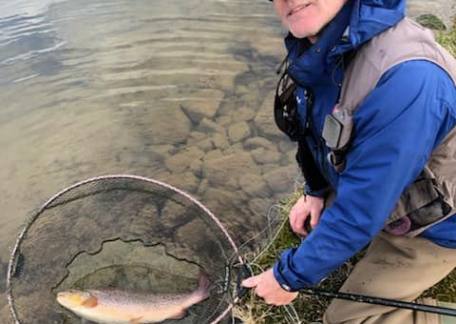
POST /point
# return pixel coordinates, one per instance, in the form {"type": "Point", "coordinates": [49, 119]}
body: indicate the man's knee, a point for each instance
{"type": "Point", "coordinates": [346, 312]}
{"type": "Point", "coordinates": [331, 317]}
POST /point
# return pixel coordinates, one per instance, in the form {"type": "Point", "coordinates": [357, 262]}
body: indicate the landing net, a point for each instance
{"type": "Point", "coordinates": [126, 232]}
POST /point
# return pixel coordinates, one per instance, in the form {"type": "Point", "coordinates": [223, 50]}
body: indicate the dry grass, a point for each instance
{"type": "Point", "coordinates": [448, 40]}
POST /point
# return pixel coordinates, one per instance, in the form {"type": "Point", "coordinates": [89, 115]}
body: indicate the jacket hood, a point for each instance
{"type": "Point", "coordinates": [371, 17]}
{"type": "Point", "coordinates": [355, 24]}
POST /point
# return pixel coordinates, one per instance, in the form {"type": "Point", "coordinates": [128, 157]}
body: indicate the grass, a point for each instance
{"type": "Point", "coordinates": [307, 309]}
{"type": "Point", "coordinates": [448, 39]}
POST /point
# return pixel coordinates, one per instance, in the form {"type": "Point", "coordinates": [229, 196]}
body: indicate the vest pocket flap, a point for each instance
{"type": "Point", "coordinates": [417, 195]}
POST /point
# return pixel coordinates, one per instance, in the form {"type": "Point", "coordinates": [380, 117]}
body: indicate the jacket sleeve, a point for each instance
{"type": "Point", "coordinates": [396, 128]}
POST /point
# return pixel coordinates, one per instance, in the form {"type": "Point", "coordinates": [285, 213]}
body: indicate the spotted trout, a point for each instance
{"type": "Point", "coordinates": [121, 306]}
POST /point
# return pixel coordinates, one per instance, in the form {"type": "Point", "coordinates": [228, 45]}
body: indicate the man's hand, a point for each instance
{"type": "Point", "coordinates": [306, 206]}
{"type": "Point", "coordinates": [267, 287]}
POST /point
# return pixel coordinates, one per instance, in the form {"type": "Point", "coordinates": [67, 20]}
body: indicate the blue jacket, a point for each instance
{"type": "Point", "coordinates": [402, 120]}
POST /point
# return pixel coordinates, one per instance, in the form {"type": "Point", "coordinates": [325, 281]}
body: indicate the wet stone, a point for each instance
{"type": "Point", "coordinates": [186, 181]}
{"type": "Point", "coordinates": [174, 215]}
{"type": "Point", "coordinates": [281, 179]}
{"type": "Point", "coordinates": [238, 132]}
{"type": "Point", "coordinates": [220, 141]}
{"type": "Point", "coordinates": [163, 151]}
{"type": "Point", "coordinates": [196, 137]}
{"type": "Point", "coordinates": [264, 120]}
{"type": "Point", "coordinates": [161, 133]}
{"type": "Point", "coordinates": [196, 111]}
{"type": "Point", "coordinates": [182, 160]}
{"type": "Point", "coordinates": [287, 146]}
{"type": "Point", "coordinates": [221, 199]}
{"type": "Point", "coordinates": [205, 145]}
{"type": "Point", "coordinates": [213, 155]}
{"type": "Point", "coordinates": [257, 142]}
{"type": "Point", "coordinates": [125, 265]}
{"type": "Point", "coordinates": [204, 185]}
{"type": "Point", "coordinates": [259, 206]}
{"type": "Point", "coordinates": [224, 120]}
{"type": "Point", "coordinates": [194, 234]}
{"type": "Point", "coordinates": [196, 168]}
{"type": "Point", "coordinates": [207, 125]}
{"type": "Point", "coordinates": [219, 171]}
{"type": "Point", "coordinates": [237, 147]}
{"type": "Point", "coordinates": [254, 185]}
{"type": "Point", "coordinates": [243, 114]}
{"type": "Point", "coordinates": [263, 156]}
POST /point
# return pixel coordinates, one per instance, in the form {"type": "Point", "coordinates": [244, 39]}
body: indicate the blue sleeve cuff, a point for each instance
{"type": "Point", "coordinates": [285, 276]}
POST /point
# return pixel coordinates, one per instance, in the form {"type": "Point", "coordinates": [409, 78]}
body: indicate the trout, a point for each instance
{"type": "Point", "coordinates": [121, 306]}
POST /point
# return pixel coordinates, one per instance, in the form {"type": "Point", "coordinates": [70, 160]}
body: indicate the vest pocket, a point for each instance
{"type": "Point", "coordinates": [422, 202]}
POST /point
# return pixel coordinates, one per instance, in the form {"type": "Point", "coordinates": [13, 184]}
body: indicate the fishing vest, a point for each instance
{"type": "Point", "coordinates": [431, 198]}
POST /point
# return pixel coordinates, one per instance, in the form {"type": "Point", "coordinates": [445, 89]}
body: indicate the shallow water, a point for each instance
{"type": "Point", "coordinates": [178, 91]}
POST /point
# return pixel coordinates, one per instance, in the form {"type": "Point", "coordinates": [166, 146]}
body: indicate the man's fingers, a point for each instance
{"type": "Point", "coordinates": [249, 282]}
{"type": "Point", "coordinates": [314, 218]}
{"type": "Point", "coordinates": [297, 222]}
{"type": "Point", "coordinates": [297, 225]}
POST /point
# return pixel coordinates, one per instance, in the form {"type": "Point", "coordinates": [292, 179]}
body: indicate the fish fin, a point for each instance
{"type": "Point", "coordinates": [90, 302]}
{"type": "Point", "coordinates": [179, 315]}
{"type": "Point", "coordinates": [136, 320]}
{"type": "Point", "coordinates": [203, 285]}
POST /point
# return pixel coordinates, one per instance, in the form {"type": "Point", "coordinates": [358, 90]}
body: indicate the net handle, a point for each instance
{"type": "Point", "coordinates": [13, 256]}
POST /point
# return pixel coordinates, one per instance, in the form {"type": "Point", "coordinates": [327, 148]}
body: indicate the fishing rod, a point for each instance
{"type": "Point", "coordinates": [245, 271]}
{"type": "Point", "coordinates": [375, 300]}
{"type": "Point", "coordinates": [380, 301]}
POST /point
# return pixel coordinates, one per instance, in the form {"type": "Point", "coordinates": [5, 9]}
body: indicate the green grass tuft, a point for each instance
{"type": "Point", "coordinates": [448, 40]}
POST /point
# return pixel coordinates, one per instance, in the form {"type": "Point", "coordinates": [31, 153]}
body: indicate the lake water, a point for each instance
{"type": "Point", "coordinates": [178, 91]}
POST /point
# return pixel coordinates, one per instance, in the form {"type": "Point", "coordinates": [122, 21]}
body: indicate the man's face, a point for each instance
{"type": "Point", "coordinates": [305, 18]}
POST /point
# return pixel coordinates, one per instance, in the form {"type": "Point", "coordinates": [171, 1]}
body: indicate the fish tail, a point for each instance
{"type": "Point", "coordinates": [204, 283]}
{"type": "Point", "coordinates": [202, 292]}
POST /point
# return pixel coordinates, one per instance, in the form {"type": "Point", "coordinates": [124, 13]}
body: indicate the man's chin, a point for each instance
{"type": "Point", "coordinates": [305, 33]}
{"type": "Point", "coordinates": [311, 36]}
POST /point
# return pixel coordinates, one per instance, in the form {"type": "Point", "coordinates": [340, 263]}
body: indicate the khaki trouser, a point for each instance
{"type": "Point", "coordinates": [397, 268]}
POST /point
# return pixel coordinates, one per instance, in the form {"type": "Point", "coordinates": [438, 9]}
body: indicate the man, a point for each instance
{"type": "Point", "coordinates": [376, 109]}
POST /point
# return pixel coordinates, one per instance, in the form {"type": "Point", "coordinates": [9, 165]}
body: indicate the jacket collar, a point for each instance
{"type": "Point", "coordinates": [355, 24]}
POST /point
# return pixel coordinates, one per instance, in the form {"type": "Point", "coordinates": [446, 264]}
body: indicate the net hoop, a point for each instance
{"type": "Point", "coordinates": [13, 256]}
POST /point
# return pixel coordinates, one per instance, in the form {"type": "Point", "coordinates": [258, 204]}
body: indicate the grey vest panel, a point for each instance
{"type": "Point", "coordinates": [432, 197]}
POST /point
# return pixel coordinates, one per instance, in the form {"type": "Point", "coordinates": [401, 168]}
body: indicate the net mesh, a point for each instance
{"type": "Point", "coordinates": [119, 232]}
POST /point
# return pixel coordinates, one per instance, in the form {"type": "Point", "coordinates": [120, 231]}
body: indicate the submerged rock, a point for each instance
{"type": "Point", "coordinates": [254, 185]}
{"type": "Point", "coordinates": [238, 132]}
{"type": "Point", "coordinates": [182, 160]}
{"type": "Point", "coordinates": [281, 179]}
{"type": "Point", "coordinates": [160, 131]}
{"type": "Point", "coordinates": [264, 120]}
{"type": "Point", "coordinates": [221, 170]}
{"type": "Point", "coordinates": [205, 104]}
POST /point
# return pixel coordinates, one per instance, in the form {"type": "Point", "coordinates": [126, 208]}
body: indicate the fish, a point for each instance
{"type": "Point", "coordinates": [116, 306]}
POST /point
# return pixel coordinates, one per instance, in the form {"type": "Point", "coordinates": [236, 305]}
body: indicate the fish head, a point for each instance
{"type": "Point", "coordinates": [76, 299]}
